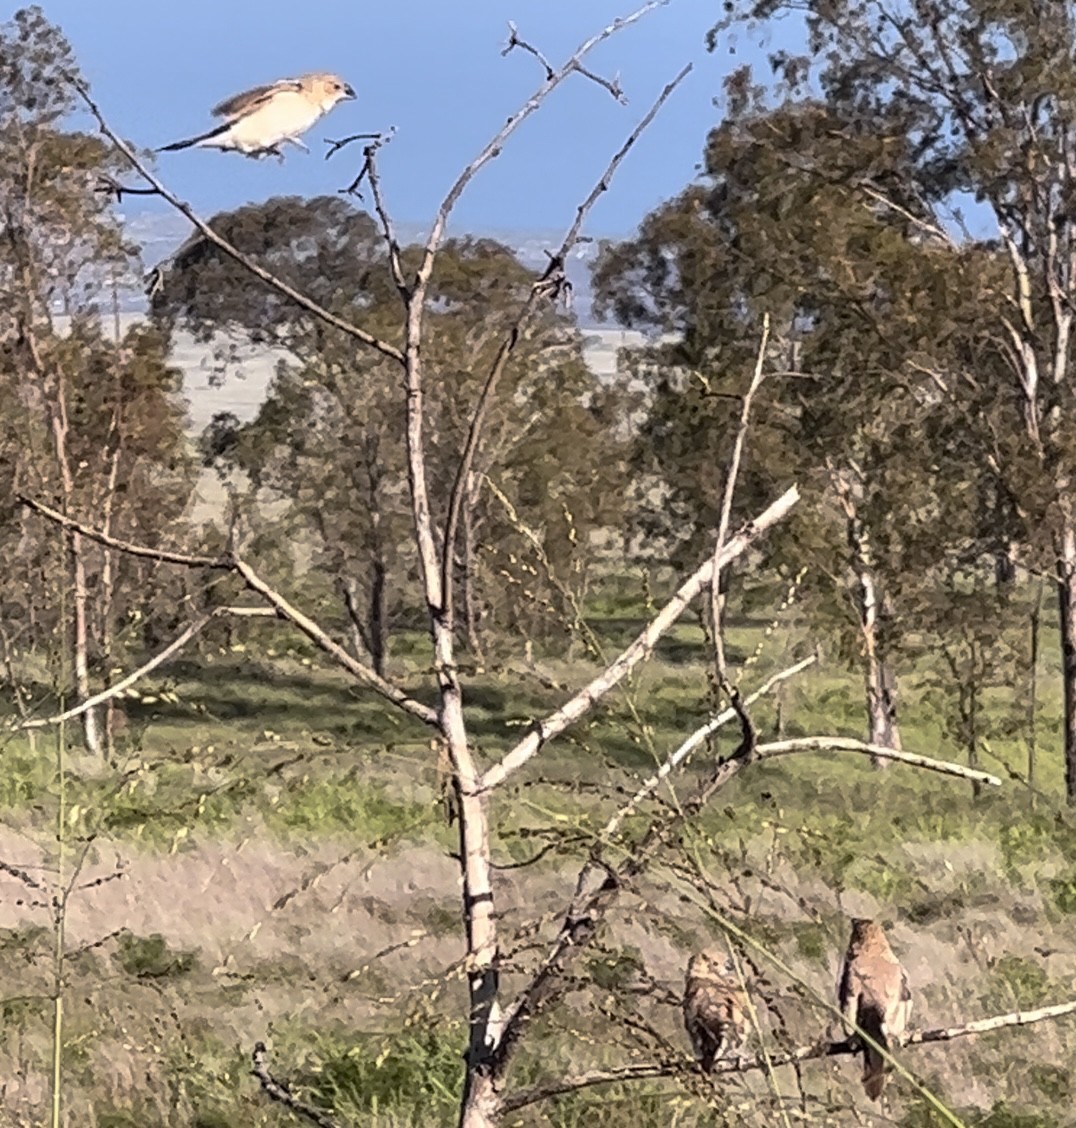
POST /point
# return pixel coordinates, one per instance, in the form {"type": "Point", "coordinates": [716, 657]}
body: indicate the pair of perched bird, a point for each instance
{"type": "Point", "coordinates": [258, 121]}
{"type": "Point", "coordinates": [872, 993]}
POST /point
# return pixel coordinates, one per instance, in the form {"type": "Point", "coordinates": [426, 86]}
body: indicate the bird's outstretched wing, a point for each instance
{"type": "Point", "coordinates": [239, 104]}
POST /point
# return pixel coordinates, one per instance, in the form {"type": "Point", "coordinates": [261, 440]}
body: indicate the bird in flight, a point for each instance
{"type": "Point", "coordinates": [715, 1007]}
{"type": "Point", "coordinates": [872, 992]}
{"type": "Point", "coordinates": [257, 122]}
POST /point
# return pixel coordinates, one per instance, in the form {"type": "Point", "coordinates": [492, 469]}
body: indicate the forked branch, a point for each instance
{"type": "Point", "coordinates": [551, 280]}
{"type": "Point", "coordinates": [586, 698]}
{"type": "Point", "coordinates": [286, 610]}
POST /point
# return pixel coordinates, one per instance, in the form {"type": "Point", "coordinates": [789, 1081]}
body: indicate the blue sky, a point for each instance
{"type": "Point", "coordinates": [433, 69]}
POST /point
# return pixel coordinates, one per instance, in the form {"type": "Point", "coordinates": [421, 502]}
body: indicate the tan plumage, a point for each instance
{"type": "Point", "coordinates": [259, 120]}
{"type": "Point", "coordinates": [715, 1007]}
{"type": "Point", "coordinates": [872, 992]}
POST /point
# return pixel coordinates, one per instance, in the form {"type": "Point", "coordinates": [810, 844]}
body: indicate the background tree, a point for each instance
{"type": "Point", "coordinates": [96, 423]}
{"type": "Point", "coordinates": [866, 305]}
{"type": "Point", "coordinates": [983, 92]}
{"type": "Point", "coordinates": [329, 440]}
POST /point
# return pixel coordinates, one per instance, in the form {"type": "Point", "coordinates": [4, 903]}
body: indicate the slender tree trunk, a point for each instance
{"type": "Point", "coordinates": [1066, 617]}
{"type": "Point", "coordinates": [80, 633]}
{"type": "Point", "coordinates": [107, 588]}
{"type": "Point", "coordinates": [879, 679]}
{"type": "Point", "coordinates": [470, 601]}
{"type": "Point", "coordinates": [1033, 693]}
{"type": "Point", "coordinates": [379, 625]}
{"type": "Point", "coordinates": [81, 641]}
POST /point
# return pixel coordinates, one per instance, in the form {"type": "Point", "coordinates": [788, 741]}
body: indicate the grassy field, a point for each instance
{"type": "Point", "coordinates": [272, 861]}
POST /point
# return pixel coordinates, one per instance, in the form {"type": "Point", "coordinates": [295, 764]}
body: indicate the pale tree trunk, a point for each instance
{"type": "Point", "coordinates": [469, 577]}
{"type": "Point", "coordinates": [879, 679]}
{"type": "Point", "coordinates": [1066, 617]}
{"type": "Point", "coordinates": [479, 1104]}
{"type": "Point", "coordinates": [80, 641]}
{"type": "Point", "coordinates": [107, 595]}
{"type": "Point", "coordinates": [1045, 422]}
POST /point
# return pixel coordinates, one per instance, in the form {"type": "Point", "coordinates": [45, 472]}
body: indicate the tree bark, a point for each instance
{"type": "Point", "coordinates": [80, 626]}
{"type": "Point", "coordinates": [468, 577]}
{"type": "Point", "coordinates": [1066, 617]}
{"type": "Point", "coordinates": [879, 679]}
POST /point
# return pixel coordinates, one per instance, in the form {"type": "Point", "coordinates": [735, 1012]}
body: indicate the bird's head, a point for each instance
{"type": "Point", "coordinates": [710, 963]}
{"type": "Point", "coordinates": [864, 930]}
{"type": "Point", "coordinates": [327, 89]}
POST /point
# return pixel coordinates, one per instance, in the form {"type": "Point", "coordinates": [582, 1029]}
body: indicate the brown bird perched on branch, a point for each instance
{"type": "Point", "coordinates": [259, 120]}
{"type": "Point", "coordinates": [872, 992]}
{"type": "Point", "coordinates": [715, 1007]}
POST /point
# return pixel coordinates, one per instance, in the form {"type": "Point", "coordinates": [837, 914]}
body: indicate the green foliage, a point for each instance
{"type": "Point", "coordinates": [1063, 890]}
{"type": "Point", "coordinates": [348, 803]}
{"type": "Point", "coordinates": [1015, 983]}
{"type": "Point", "coordinates": [411, 1077]}
{"type": "Point", "coordinates": [150, 957]}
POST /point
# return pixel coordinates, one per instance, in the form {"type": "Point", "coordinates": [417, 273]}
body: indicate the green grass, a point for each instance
{"type": "Point", "coordinates": [280, 750]}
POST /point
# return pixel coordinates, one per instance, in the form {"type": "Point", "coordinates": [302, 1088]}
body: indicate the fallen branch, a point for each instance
{"type": "Point", "coordinates": [278, 1091]}
{"type": "Point", "coordinates": [586, 698]}
{"type": "Point", "coordinates": [641, 1071]}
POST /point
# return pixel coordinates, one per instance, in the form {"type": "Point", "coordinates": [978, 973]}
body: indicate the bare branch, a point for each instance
{"type": "Point", "coordinates": [641, 1071]}
{"type": "Point", "coordinates": [278, 1091]}
{"type": "Point", "coordinates": [158, 188]}
{"type": "Point", "coordinates": [586, 698]}
{"type": "Point", "coordinates": [494, 147]}
{"type": "Point", "coordinates": [720, 671]}
{"type": "Point", "coordinates": [363, 673]}
{"type": "Point", "coordinates": [695, 739]}
{"type": "Point", "coordinates": [387, 228]}
{"type": "Point", "coordinates": [22, 875]}
{"type": "Point", "coordinates": [163, 555]}
{"type": "Point", "coordinates": [847, 744]}
{"type": "Point", "coordinates": [336, 146]}
{"type": "Point", "coordinates": [612, 85]}
{"type": "Point", "coordinates": [552, 278]}
{"type": "Point", "coordinates": [120, 687]}
{"type": "Point", "coordinates": [514, 41]}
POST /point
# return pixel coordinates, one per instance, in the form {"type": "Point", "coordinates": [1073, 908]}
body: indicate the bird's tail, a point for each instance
{"type": "Point", "coordinates": [875, 1066]}
{"type": "Point", "coordinates": [215, 132]}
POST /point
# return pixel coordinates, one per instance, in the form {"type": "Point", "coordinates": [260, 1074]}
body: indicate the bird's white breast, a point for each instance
{"type": "Point", "coordinates": [287, 114]}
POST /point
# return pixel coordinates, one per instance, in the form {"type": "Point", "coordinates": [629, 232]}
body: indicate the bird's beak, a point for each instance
{"type": "Point", "coordinates": [349, 92]}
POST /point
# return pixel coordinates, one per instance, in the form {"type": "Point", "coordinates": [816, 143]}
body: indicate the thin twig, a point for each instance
{"type": "Point", "coordinates": [552, 278]}
{"type": "Point", "coordinates": [641, 1071]}
{"type": "Point", "coordinates": [514, 41]}
{"type": "Point", "coordinates": [336, 146]}
{"type": "Point", "coordinates": [720, 671]}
